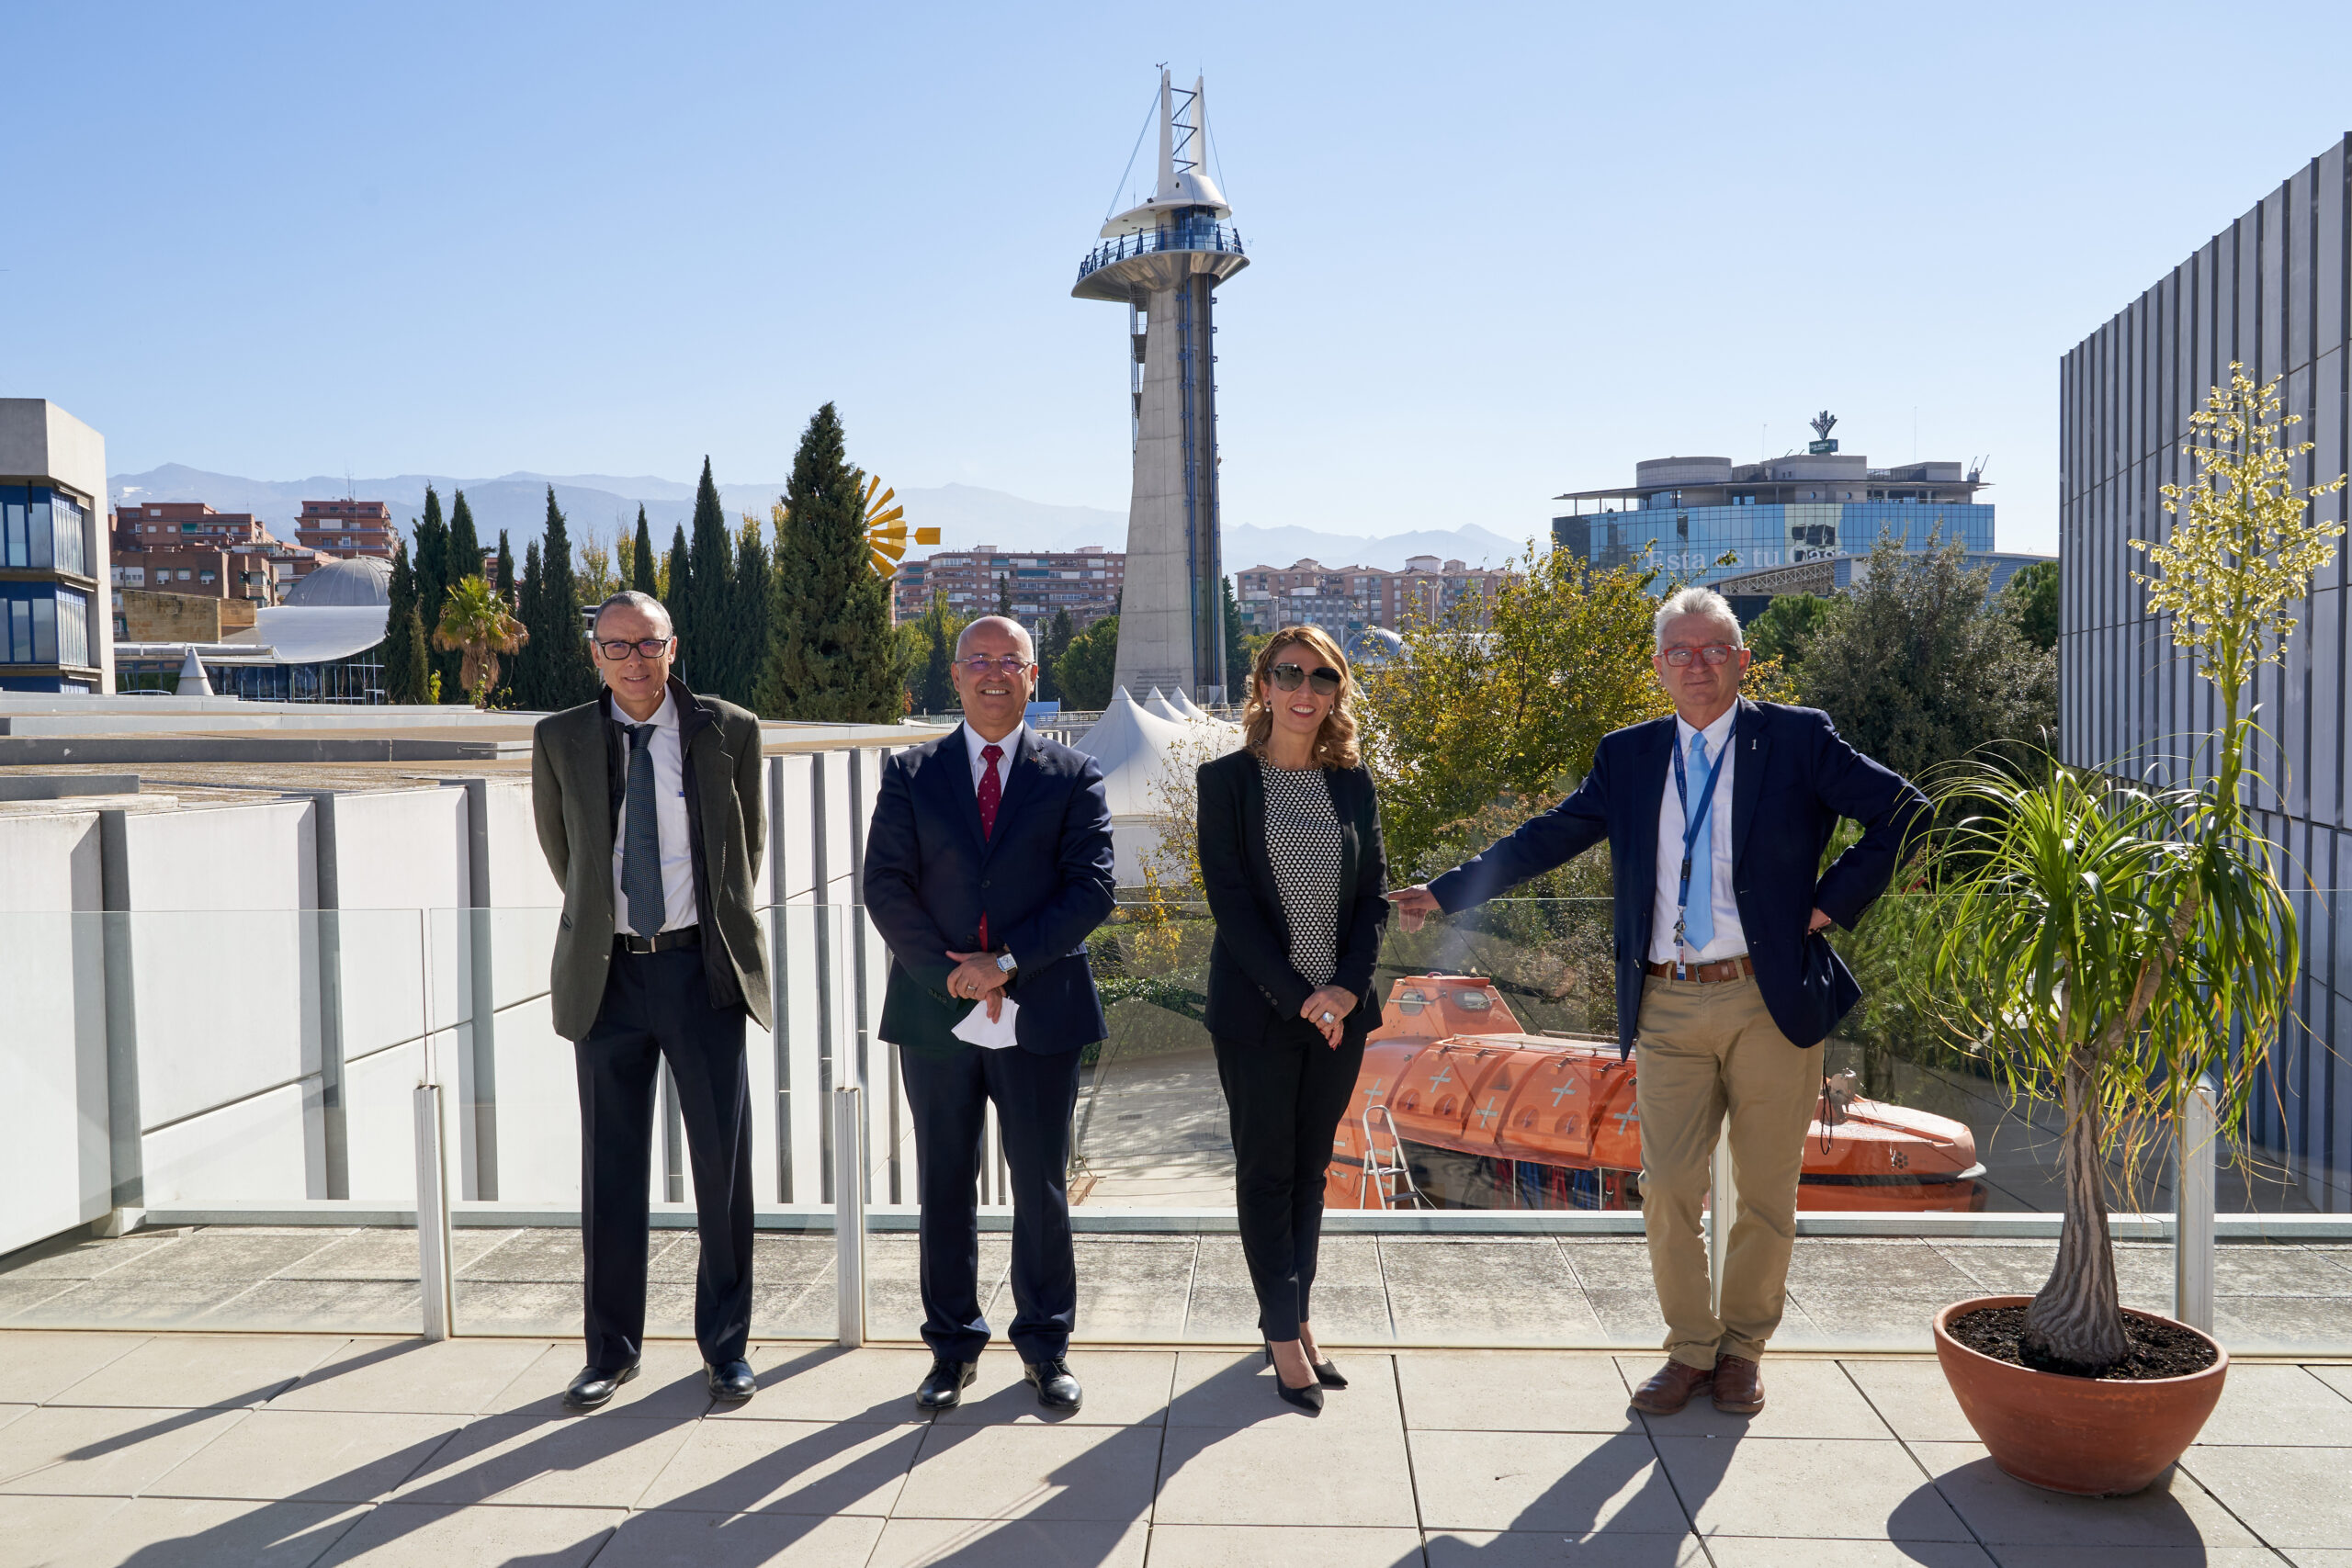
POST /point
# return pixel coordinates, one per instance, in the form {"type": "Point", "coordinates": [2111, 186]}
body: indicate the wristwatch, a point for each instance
{"type": "Point", "coordinates": [1006, 966]}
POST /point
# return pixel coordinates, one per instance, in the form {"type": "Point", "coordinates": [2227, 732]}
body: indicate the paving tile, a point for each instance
{"type": "Point", "coordinates": [108, 1302]}
{"type": "Point", "coordinates": [1549, 1549]}
{"type": "Point", "coordinates": [405, 1535]}
{"type": "Point", "coordinates": [244, 1253]}
{"type": "Point", "coordinates": [314, 1456]}
{"type": "Point", "coordinates": [1751, 1551]}
{"type": "Point", "coordinates": [800, 1383]}
{"type": "Point", "coordinates": [2290, 1497]}
{"type": "Point", "coordinates": [386, 1252]}
{"type": "Point", "coordinates": [1809, 1487]}
{"type": "Point", "coordinates": [1628, 1315]}
{"type": "Point", "coordinates": [2143, 1270]}
{"type": "Point", "coordinates": [1804, 1397]}
{"type": "Point", "coordinates": [1864, 1316]}
{"type": "Point", "coordinates": [1571, 1483]}
{"type": "Point", "coordinates": [198, 1371]}
{"type": "Point", "coordinates": [2243, 1269]}
{"type": "Point", "coordinates": [1043, 1473]}
{"type": "Point", "coordinates": [2337, 1378]}
{"type": "Point", "coordinates": [1253, 1546]}
{"type": "Point", "coordinates": [669, 1385]}
{"type": "Point", "coordinates": [742, 1540]}
{"type": "Point", "coordinates": [2011, 1555]}
{"type": "Point", "coordinates": [2283, 1325]}
{"type": "Point", "coordinates": [1130, 1290]}
{"type": "Point", "coordinates": [1123, 1388]}
{"type": "Point", "coordinates": [547, 1308]}
{"type": "Point", "coordinates": [1907, 1268]}
{"type": "Point", "coordinates": [1912, 1397]}
{"type": "Point", "coordinates": [670, 1310]}
{"type": "Point", "coordinates": [1341, 1261]}
{"type": "Point", "coordinates": [541, 1461]}
{"type": "Point", "coordinates": [1609, 1264]}
{"type": "Point", "coordinates": [1511, 1390]}
{"type": "Point", "coordinates": [20, 1296]}
{"type": "Point", "coordinates": [454, 1376]}
{"type": "Point", "coordinates": [545, 1255]}
{"type": "Point", "coordinates": [204, 1533]}
{"type": "Point", "coordinates": [1344, 1315]}
{"type": "Point", "coordinates": [50, 1529]}
{"type": "Point", "coordinates": [1224, 1388]}
{"type": "Point", "coordinates": [2283, 1405]}
{"type": "Point", "coordinates": [2310, 1557]}
{"type": "Point", "coordinates": [1014, 1543]}
{"type": "Point", "coordinates": [2002, 1511]}
{"type": "Point", "coordinates": [353, 1306]}
{"type": "Point", "coordinates": [38, 1366]}
{"type": "Point", "coordinates": [1288, 1472]}
{"type": "Point", "coordinates": [87, 1452]}
{"type": "Point", "coordinates": [1516, 1289]}
{"type": "Point", "coordinates": [786, 1467]}
{"type": "Point", "coordinates": [82, 1259]}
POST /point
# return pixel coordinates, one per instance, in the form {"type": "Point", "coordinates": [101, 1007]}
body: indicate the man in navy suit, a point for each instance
{"type": "Point", "coordinates": [1723, 972]}
{"type": "Point", "coordinates": [988, 864]}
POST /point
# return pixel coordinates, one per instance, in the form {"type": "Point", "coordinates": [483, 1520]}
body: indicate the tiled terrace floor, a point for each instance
{"type": "Point", "coordinates": [1568, 1292]}
{"type": "Point", "coordinates": [192, 1450]}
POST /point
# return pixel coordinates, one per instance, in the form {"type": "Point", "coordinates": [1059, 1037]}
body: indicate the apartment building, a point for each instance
{"type": "Point", "coordinates": [1085, 582]}
{"type": "Point", "coordinates": [347, 527]}
{"type": "Point", "coordinates": [1345, 600]}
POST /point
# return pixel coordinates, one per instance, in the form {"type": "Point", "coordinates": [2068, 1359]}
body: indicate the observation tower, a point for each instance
{"type": "Point", "coordinates": [1163, 260]}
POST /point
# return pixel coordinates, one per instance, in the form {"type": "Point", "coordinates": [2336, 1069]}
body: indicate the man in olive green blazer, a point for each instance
{"type": "Point", "coordinates": [651, 812]}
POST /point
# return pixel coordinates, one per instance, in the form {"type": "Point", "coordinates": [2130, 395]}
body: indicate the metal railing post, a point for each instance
{"type": "Point", "coordinates": [849, 1211]}
{"type": "Point", "coordinates": [1722, 1209]}
{"type": "Point", "coordinates": [2192, 1243]}
{"type": "Point", "coordinates": [433, 1215]}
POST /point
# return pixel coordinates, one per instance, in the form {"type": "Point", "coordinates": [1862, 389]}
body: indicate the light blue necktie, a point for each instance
{"type": "Point", "coordinates": [1699, 914]}
{"type": "Point", "coordinates": [641, 838]}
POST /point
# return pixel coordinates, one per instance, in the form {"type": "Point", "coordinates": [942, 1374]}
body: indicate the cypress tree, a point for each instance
{"type": "Point", "coordinates": [748, 612]}
{"type": "Point", "coordinates": [709, 643]}
{"type": "Point", "coordinates": [462, 559]}
{"type": "Point", "coordinates": [1004, 593]}
{"type": "Point", "coordinates": [674, 579]}
{"type": "Point", "coordinates": [506, 582]}
{"type": "Point", "coordinates": [530, 665]}
{"type": "Point", "coordinates": [432, 557]}
{"type": "Point", "coordinates": [465, 545]}
{"type": "Point", "coordinates": [644, 575]}
{"type": "Point", "coordinates": [566, 677]}
{"type": "Point", "coordinates": [406, 677]}
{"type": "Point", "coordinates": [832, 655]}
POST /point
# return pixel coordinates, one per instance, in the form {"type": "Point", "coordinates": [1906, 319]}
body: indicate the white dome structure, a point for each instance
{"type": "Point", "coordinates": [359, 579]}
{"type": "Point", "coordinates": [1146, 760]}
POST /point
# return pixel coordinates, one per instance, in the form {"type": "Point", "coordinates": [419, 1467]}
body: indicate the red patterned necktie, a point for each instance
{"type": "Point", "coordinates": [991, 797]}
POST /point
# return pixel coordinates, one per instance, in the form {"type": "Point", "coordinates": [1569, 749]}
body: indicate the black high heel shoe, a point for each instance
{"type": "Point", "coordinates": [1326, 1373]}
{"type": "Point", "coordinates": [1310, 1399]}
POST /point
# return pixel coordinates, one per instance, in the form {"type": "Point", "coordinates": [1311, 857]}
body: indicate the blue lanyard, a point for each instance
{"type": "Point", "coordinates": [1692, 823]}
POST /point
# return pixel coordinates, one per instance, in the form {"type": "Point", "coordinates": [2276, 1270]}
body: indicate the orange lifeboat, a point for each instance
{"type": "Point", "coordinates": [1457, 1107]}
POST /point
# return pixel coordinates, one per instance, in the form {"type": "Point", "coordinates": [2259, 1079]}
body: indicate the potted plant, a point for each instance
{"type": "Point", "coordinates": [2114, 943]}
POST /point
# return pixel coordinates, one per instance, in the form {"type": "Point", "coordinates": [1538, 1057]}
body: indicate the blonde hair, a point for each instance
{"type": "Point", "coordinates": [1335, 743]}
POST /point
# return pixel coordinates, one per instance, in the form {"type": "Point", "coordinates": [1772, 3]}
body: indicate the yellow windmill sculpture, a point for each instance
{"type": "Point", "coordinates": [886, 529]}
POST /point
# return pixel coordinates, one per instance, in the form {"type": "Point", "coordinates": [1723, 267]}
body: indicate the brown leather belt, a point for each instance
{"type": "Point", "coordinates": [684, 936]}
{"type": "Point", "coordinates": [1736, 968]}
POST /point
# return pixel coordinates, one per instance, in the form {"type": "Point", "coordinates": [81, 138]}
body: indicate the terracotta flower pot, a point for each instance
{"type": "Point", "coordinates": [2092, 1436]}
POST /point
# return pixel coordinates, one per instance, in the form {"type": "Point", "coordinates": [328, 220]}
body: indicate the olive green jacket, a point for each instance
{"type": "Point", "coordinates": [576, 779]}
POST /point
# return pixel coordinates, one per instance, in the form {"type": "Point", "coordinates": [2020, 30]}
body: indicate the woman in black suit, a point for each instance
{"type": "Point", "coordinates": [1291, 859]}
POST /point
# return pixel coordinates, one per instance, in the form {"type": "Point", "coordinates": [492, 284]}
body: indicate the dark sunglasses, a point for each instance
{"type": "Point", "coordinates": [1322, 680]}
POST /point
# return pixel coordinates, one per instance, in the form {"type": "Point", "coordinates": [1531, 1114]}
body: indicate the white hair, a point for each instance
{"type": "Point", "coordinates": [630, 599]}
{"type": "Point", "coordinates": [1695, 602]}
{"type": "Point", "coordinates": [1028, 643]}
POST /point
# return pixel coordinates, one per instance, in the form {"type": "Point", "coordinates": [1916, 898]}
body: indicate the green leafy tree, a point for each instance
{"type": "Point", "coordinates": [504, 582]}
{"type": "Point", "coordinates": [1052, 643]}
{"type": "Point", "coordinates": [710, 649]}
{"type": "Point", "coordinates": [644, 574]}
{"type": "Point", "coordinates": [407, 673]}
{"type": "Point", "coordinates": [675, 574]}
{"type": "Point", "coordinates": [1787, 628]}
{"type": "Point", "coordinates": [2031, 597]}
{"type": "Point", "coordinates": [477, 625]}
{"type": "Point", "coordinates": [1918, 670]}
{"type": "Point", "coordinates": [1088, 665]}
{"type": "Point", "coordinates": [830, 653]}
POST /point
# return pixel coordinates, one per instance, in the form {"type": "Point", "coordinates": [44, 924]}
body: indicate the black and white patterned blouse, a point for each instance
{"type": "Point", "coordinates": [1302, 842]}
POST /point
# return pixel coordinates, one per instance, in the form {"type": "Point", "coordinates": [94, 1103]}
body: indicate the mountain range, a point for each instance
{"type": "Point", "coordinates": [604, 504]}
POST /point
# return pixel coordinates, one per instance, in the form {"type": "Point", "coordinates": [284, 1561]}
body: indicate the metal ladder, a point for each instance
{"type": "Point", "coordinates": [1378, 1170]}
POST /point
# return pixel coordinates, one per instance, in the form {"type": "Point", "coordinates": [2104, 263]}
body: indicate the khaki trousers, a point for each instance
{"type": "Point", "coordinates": [1705, 1051]}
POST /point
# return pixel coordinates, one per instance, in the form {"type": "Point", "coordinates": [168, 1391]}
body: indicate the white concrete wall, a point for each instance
{"type": "Point", "coordinates": [54, 1169]}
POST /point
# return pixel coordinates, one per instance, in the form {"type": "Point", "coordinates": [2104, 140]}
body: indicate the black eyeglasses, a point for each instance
{"type": "Point", "coordinates": [1322, 680]}
{"type": "Point", "coordinates": [652, 647]}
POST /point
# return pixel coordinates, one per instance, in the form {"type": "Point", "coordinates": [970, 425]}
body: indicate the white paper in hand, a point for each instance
{"type": "Point", "coordinates": [988, 1036]}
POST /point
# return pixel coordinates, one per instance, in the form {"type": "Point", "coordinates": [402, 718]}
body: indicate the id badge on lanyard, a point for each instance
{"type": "Point", "coordinates": [1691, 824]}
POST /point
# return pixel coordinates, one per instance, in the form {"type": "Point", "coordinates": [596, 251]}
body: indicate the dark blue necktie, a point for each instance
{"type": "Point", "coordinates": [641, 838]}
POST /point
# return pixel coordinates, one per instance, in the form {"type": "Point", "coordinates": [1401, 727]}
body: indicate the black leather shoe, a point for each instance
{"type": "Point", "coordinates": [731, 1381]}
{"type": "Point", "coordinates": [943, 1388]}
{"type": "Point", "coordinates": [1326, 1373]}
{"type": "Point", "coordinates": [1056, 1390]}
{"type": "Point", "coordinates": [596, 1386]}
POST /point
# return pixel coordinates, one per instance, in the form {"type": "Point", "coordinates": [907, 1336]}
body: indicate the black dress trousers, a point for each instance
{"type": "Point", "coordinates": [1285, 1096]}
{"type": "Point", "coordinates": [656, 1008]}
{"type": "Point", "coordinates": [949, 1094]}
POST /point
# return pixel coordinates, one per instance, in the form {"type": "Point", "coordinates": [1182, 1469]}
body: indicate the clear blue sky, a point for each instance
{"type": "Point", "coordinates": [1499, 251]}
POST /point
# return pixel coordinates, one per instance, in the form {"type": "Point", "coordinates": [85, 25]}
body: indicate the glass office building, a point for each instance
{"type": "Point", "coordinates": [46, 591]}
{"type": "Point", "coordinates": [1707, 519]}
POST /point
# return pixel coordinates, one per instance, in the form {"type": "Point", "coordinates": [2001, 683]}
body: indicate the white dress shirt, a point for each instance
{"type": "Point", "coordinates": [1011, 744]}
{"type": "Point", "coordinates": [1729, 940]}
{"type": "Point", "coordinates": [669, 817]}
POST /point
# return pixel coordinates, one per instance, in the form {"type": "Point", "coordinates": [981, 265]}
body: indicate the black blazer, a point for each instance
{"type": "Point", "coordinates": [1252, 987]}
{"type": "Point", "coordinates": [1043, 878]}
{"type": "Point", "coordinates": [1793, 778]}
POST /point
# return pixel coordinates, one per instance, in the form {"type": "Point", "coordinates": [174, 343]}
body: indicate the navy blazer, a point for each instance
{"type": "Point", "coordinates": [1792, 777]}
{"type": "Point", "coordinates": [1044, 879]}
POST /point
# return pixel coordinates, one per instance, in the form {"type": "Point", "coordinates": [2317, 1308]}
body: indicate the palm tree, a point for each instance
{"type": "Point", "coordinates": [476, 622]}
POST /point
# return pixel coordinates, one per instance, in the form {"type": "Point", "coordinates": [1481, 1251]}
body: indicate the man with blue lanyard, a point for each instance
{"type": "Point", "coordinates": [1716, 820]}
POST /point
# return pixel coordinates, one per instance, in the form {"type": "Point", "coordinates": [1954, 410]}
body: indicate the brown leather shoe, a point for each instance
{"type": "Point", "coordinates": [1739, 1385]}
{"type": "Point", "coordinates": [1671, 1388]}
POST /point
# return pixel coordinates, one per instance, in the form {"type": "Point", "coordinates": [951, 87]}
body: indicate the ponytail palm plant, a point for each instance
{"type": "Point", "coordinates": [2117, 942]}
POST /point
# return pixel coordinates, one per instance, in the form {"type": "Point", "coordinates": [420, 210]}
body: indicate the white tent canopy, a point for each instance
{"type": "Point", "coordinates": [1146, 759]}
